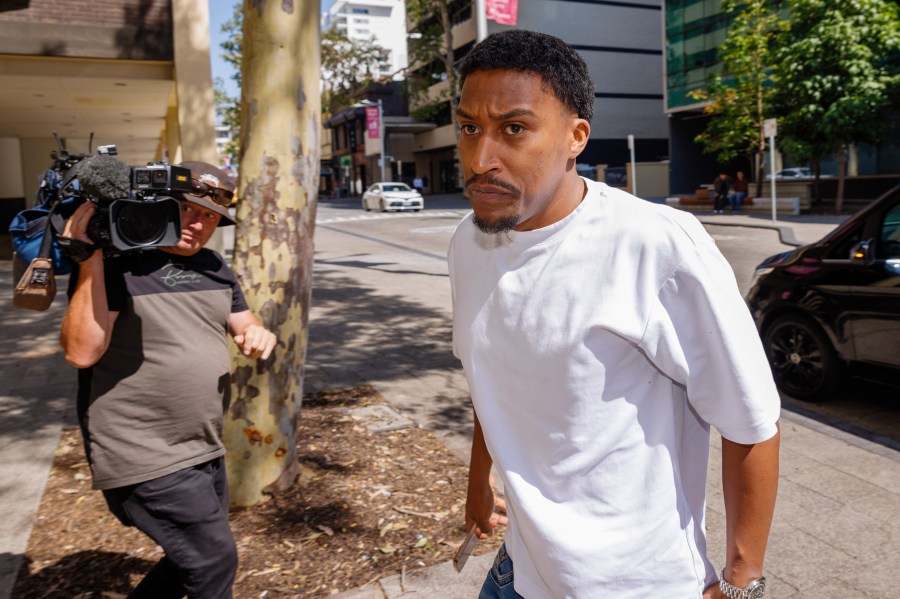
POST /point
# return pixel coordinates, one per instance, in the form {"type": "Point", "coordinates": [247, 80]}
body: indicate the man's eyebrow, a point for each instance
{"type": "Point", "coordinates": [499, 117]}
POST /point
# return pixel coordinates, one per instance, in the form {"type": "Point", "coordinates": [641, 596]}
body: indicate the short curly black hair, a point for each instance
{"type": "Point", "coordinates": [554, 61]}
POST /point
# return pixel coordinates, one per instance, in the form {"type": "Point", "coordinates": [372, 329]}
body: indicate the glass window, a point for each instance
{"type": "Point", "coordinates": [890, 234]}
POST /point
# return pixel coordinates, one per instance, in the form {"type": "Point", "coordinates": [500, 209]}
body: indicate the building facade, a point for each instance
{"type": "Point", "coordinates": [693, 31]}
{"type": "Point", "coordinates": [134, 73]}
{"type": "Point", "coordinates": [620, 41]}
{"type": "Point", "coordinates": [383, 21]}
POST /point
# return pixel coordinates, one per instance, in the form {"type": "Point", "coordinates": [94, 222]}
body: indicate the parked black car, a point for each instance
{"type": "Point", "coordinates": [832, 308]}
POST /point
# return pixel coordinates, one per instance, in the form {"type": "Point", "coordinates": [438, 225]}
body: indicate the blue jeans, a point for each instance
{"type": "Point", "coordinates": [735, 200]}
{"type": "Point", "coordinates": [186, 513]}
{"type": "Point", "coordinates": [499, 581]}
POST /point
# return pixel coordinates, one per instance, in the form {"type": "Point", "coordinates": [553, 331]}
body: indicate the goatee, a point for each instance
{"type": "Point", "coordinates": [503, 225]}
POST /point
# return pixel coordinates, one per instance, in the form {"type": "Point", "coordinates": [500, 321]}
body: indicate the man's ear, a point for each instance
{"type": "Point", "coordinates": [581, 132]}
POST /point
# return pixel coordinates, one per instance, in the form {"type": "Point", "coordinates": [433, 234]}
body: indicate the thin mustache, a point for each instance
{"type": "Point", "coordinates": [490, 180]}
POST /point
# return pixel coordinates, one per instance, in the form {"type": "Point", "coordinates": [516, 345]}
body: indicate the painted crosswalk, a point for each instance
{"type": "Point", "coordinates": [328, 220]}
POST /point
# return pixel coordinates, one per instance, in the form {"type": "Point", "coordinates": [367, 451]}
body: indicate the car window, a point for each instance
{"type": "Point", "coordinates": [840, 250]}
{"type": "Point", "coordinates": [396, 187]}
{"type": "Point", "coordinates": [890, 234]}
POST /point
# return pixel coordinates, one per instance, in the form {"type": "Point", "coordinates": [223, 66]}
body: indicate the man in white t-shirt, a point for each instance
{"type": "Point", "coordinates": [602, 337]}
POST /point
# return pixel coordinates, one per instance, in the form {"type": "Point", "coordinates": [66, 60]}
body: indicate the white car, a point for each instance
{"type": "Point", "coordinates": [793, 173]}
{"type": "Point", "coordinates": [387, 196]}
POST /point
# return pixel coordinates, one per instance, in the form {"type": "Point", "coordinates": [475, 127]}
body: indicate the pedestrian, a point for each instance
{"type": "Point", "coordinates": [601, 337]}
{"type": "Point", "coordinates": [148, 333]}
{"type": "Point", "coordinates": [417, 184]}
{"type": "Point", "coordinates": [722, 186]}
{"type": "Point", "coordinates": [738, 192]}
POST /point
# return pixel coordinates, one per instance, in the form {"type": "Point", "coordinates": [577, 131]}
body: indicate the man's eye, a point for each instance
{"type": "Point", "coordinates": [514, 129]}
{"type": "Point", "coordinates": [467, 129]}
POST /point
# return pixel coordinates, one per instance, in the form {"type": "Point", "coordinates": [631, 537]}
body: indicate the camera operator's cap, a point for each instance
{"type": "Point", "coordinates": [210, 178]}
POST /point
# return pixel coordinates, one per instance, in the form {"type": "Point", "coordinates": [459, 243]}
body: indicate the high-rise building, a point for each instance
{"type": "Point", "coordinates": [126, 71]}
{"type": "Point", "coordinates": [383, 21]}
{"type": "Point", "coordinates": [620, 41]}
{"type": "Point", "coordinates": [693, 31]}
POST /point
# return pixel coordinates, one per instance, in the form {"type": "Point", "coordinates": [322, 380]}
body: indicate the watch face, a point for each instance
{"type": "Point", "coordinates": [758, 591]}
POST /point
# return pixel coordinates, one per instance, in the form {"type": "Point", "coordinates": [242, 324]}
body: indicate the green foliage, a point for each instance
{"type": "Point", "coordinates": [228, 109]}
{"type": "Point", "coordinates": [346, 68]}
{"type": "Point", "coordinates": [429, 60]}
{"type": "Point", "coordinates": [740, 95]}
{"type": "Point", "coordinates": [841, 69]}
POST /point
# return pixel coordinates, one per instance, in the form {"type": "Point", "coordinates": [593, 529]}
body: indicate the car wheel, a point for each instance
{"type": "Point", "coordinates": [804, 363]}
{"type": "Point", "coordinates": [364, 205]}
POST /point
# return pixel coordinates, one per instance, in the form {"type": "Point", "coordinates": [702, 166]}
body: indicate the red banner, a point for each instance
{"type": "Point", "coordinates": [372, 123]}
{"type": "Point", "coordinates": [505, 12]}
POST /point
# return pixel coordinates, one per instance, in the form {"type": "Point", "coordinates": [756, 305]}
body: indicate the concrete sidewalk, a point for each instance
{"type": "Point", "coordinates": [837, 526]}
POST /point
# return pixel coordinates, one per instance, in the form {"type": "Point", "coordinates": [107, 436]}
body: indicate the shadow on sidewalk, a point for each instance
{"type": "Point", "coordinates": [73, 574]}
{"type": "Point", "coordinates": [361, 335]}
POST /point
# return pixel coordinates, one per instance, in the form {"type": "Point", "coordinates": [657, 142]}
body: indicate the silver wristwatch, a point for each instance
{"type": "Point", "coordinates": [754, 590]}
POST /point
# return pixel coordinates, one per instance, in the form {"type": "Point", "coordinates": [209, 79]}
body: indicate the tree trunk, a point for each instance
{"type": "Point", "coordinates": [842, 175]}
{"type": "Point", "coordinates": [279, 179]}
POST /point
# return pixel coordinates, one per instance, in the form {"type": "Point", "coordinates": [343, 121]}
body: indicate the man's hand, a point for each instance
{"type": "Point", "coordinates": [481, 506]}
{"type": "Point", "coordinates": [713, 592]}
{"type": "Point", "coordinates": [77, 225]}
{"type": "Point", "coordinates": [256, 342]}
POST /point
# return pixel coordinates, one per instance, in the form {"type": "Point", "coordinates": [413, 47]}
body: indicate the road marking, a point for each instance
{"type": "Point", "coordinates": [384, 215]}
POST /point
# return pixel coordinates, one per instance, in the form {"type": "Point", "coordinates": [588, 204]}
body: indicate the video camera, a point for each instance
{"type": "Point", "coordinates": [135, 207]}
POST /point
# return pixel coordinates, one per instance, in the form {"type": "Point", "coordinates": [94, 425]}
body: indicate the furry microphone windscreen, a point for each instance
{"type": "Point", "coordinates": [104, 178]}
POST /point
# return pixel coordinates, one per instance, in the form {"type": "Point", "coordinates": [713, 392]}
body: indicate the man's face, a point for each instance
{"type": "Point", "coordinates": [197, 226]}
{"type": "Point", "coordinates": [517, 146]}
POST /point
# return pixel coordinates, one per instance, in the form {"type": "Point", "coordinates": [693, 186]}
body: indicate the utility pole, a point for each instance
{"type": "Point", "coordinates": [480, 21]}
{"type": "Point", "coordinates": [633, 165]}
{"type": "Point", "coordinates": [381, 135]}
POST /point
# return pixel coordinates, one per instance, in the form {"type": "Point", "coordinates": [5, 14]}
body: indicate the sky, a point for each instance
{"type": "Point", "coordinates": [220, 12]}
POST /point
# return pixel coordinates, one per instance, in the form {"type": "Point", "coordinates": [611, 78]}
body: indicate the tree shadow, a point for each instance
{"type": "Point", "coordinates": [80, 572]}
{"type": "Point", "coordinates": [39, 386]}
{"type": "Point", "coordinates": [360, 335]}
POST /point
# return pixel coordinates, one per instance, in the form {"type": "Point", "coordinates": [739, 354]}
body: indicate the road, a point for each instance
{"type": "Point", "coordinates": [388, 250]}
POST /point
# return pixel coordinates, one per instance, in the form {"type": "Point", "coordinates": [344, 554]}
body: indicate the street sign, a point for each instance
{"type": "Point", "coordinates": [770, 127]}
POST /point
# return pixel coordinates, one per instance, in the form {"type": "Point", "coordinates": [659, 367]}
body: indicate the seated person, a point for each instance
{"type": "Point", "coordinates": [738, 192]}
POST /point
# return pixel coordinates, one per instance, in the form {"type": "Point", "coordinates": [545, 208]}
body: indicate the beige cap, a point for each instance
{"type": "Point", "coordinates": [213, 177]}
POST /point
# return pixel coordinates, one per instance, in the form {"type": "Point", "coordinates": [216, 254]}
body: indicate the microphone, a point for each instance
{"type": "Point", "coordinates": [104, 178]}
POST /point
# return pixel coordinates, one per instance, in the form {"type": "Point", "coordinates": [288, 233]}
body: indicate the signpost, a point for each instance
{"type": "Point", "coordinates": [633, 165]}
{"type": "Point", "coordinates": [375, 128]}
{"type": "Point", "coordinates": [770, 129]}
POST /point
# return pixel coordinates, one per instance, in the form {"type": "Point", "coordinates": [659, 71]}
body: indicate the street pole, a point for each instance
{"type": "Point", "coordinates": [480, 21]}
{"type": "Point", "coordinates": [381, 135]}
{"type": "Point", "coordinates": [770, 130]}
{"type": "Point", "coordinates": [633, 165]}
{"type": "Point", "coordinates": [772, 169]}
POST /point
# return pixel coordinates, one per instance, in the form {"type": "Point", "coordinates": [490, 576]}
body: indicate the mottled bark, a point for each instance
{"type": "Point", "coordinates": [279, 179]}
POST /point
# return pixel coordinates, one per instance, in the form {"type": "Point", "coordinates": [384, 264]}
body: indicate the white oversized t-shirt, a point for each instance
{"type": "Point", "coordinates": [598, 351]}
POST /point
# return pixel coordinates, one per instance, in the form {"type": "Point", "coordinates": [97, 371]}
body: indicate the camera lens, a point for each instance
{"type": "Point", "coordinates": [160, 178]}
{"type": "Point", "coordinates": [142, 176]}
{"type": "Point", "coordinates": [141, 224]}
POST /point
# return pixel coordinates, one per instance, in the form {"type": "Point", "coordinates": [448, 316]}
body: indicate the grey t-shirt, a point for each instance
{"type": "Point", "coordinates": [153, 404]}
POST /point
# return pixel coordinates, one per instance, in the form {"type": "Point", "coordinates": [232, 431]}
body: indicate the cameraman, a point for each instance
{"type": "Point", "coordinates": [148, 332]}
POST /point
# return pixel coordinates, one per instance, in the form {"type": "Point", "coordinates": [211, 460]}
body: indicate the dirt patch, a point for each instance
{"type": "Point", "coordinates": [367, 505]}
